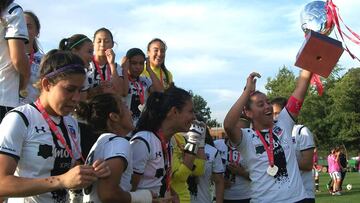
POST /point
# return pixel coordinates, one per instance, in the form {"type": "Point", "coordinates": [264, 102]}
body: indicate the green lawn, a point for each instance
{"type": "Point", "coordinates": [347, 196]}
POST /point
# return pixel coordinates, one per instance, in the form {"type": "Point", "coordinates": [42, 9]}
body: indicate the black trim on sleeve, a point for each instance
{"type": "Point", "coordinates": [26, 121]}
{"type": "Point", "coordinates": [17, 158]}
{"type": "Point", "coordinates": [142, 139]}
{"type": "Point", "coordinates": [19, 38]}
{"type": "Point", "coordinates": [299, 132]}
{"type": "Point", "coordinates": [13, 8]}
{"type": "Point", "coordinates": [307, 149]}
{"type": "Point", "coordinates": [113, 137]}
{"type": "Point", "coordinates": [138, 173]}
{"type": "Point", "coordinates": [120, 157]}
{"type": "Point", "coordinates": [290, 115]}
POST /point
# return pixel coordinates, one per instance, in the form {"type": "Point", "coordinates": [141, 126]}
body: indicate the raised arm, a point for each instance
{"type": "Point", "coordinates": [295, 101]}
{"type": "Point", "coordinates": [236, 110]}
{"type": "Point", "coordinates": [125, 65]}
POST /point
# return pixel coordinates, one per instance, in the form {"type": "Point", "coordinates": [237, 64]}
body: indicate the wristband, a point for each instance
{"type": "Point", "coordinates": [141, 196]}
{"type": "Point", "coordinates": [294, 105]}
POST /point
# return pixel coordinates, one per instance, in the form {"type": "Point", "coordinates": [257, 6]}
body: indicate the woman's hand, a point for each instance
{"type": "Point", "coordinates": [101, 168]}
{"type": "Point", "coordinates": [251, 81]}
{"type": "Point", "coordinates": [125, 65]}
{"type": "Point", "coordinates": [78, 177]}
{"type": "Point", "coordinates": [110, 56]}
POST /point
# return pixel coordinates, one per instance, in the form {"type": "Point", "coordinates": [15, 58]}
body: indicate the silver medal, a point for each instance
{"type": "Point", "coordinates": [141, 107]}
{"type": "Point", "coordinates": [272, 170]}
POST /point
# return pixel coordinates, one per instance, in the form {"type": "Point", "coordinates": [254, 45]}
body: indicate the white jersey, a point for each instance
{"type": "Point", "coordinates": [213, 165]}
{"type": "Point", "coordinates": [109, 146]}
{"type": "Point", "coordinates": [26, 136]}
{"type": "Point", "coordinates": [93, 77]}
{"type": "Point", "coordinates": [304, 140]}
{"type": "Point", "coordinates": [240, 188]}
{"type": "Point", "coordinates": [12, 26]}
{"type": "Point", "coordinates": [140, 86]}
{"type": "Point", "coordinates": [286, 185]}
{"type": "Point", "coordinates": [148, 160]}
{"type": "Point", "coordinates": [33, 92]}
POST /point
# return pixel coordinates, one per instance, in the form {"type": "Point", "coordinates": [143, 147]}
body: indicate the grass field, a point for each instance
{"type": "Point", "coordinates": [352, 196]}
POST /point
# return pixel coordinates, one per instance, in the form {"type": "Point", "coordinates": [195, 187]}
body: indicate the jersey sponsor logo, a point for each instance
{"type": "Point", "coordinates": [61, 153]}
{"type": "Point", "coordinates": [45, 151]}
{"type": "Point", "coordinates": [40, 129]}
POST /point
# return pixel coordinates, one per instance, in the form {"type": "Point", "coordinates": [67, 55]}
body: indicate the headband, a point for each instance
{"type": "Point", "coordinates": [74, 68]}
{"type": "Point", "coordinates": [78, 42]}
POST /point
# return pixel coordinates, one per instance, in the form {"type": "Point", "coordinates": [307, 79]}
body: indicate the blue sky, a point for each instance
{"type": "Point", "coordinates": [212, 45]}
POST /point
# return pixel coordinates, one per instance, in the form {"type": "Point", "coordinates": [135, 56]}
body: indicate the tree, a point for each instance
{"type": "Point", "coordinates": [345, 114]}
{"type": "Point", "coordinates": [282, 85]}
{"type": "Point", "coordinates": [203, 111]}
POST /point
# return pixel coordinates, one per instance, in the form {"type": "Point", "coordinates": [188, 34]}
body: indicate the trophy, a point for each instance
{"type": "Point", "coordinates": [319, 53]}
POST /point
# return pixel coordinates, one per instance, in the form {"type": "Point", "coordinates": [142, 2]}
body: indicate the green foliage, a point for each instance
{"type": "Point", "coordinates": [334, 117]}
{"type": "Point", "coordinates": [203, 111]}
{"type": "Point", "coordinates": [282, 85]}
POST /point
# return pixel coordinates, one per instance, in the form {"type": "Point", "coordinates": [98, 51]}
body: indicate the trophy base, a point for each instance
{"type": "Point", "coordinates": [319, 54]}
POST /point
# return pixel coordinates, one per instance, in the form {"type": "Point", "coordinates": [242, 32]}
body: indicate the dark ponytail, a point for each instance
{"type": "Point", "coordinates": [97, 110]}
{"type": "Point", "coordinates": [158, 105]}
{"type": "Point", "coordinates": [74, 42]}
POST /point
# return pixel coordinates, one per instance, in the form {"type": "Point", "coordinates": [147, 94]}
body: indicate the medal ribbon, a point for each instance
{"type": "Point", "coordinates": [31, 57]}
{"type": "Point", "coordinates": [98, 69]}
{"type": "Point", "coordinates": [140, 90]}
{"type": "Point", "coordinates": [167, 157]}
{"type": "Point", "coordinates": [55, 130]}
{"type": "Point", "coordinates": [269, 148]}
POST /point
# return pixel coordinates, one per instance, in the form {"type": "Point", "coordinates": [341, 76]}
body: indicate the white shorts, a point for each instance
{"type": "Point", "coordinates": [336, 175]}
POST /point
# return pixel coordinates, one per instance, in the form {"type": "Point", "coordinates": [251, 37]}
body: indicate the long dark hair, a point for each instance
{"type": "Point", "coordinates": [162, 66]}
{"type": "Point", "coordinates": [74, 42]}
{"type": "Point", "coordinates": [158, 105]}
{"type": "Point", "coordinates": [104, 30]}
{"type": "Point", "coordinates": [96, 111]}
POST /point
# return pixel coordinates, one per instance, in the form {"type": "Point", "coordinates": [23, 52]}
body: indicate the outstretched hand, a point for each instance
{"type": "Point", "coordinates": [251, 81]}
